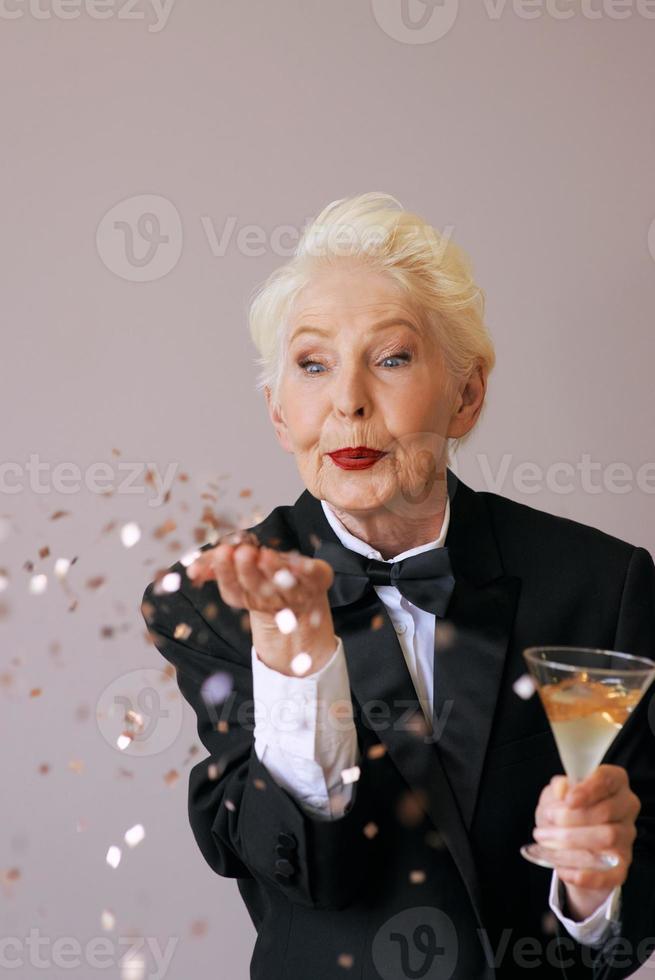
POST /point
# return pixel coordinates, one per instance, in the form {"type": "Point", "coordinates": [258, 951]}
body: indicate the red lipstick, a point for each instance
{"type": "Point", "coordinates": [356, 457]}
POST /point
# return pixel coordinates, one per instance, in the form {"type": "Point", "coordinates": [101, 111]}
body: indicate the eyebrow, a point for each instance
{"type": "Point", "coordinates": [393, 321]}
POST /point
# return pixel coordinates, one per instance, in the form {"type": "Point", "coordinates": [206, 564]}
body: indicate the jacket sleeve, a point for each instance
{"type": "Point", "coordinates": [622, 954]}
{"type": "Point", "coordinates": [245, 824]}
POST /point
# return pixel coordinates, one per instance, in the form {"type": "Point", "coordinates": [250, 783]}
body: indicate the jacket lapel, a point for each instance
{"type": "Point", "coordinates": [443, 766]}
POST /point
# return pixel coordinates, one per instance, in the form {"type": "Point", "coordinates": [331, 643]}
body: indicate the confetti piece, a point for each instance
{"type": "Point", "coordinates": [171, 777]}
{"type": "Point", "coordinates": [377, 622]}
{"type": "Point", "coordinates": [286, 621]}
{"type": "Point", "coordinates": [164, 529]}
{"type": "Point", "coordinates": [524, 687]}
{"type": "Point", "coordinates": [123, 740]}
{"type": "Point", "coordinates": [376, 751]}
{"type": "Point", "coordinates": [77, 765]}
{"type": "Point", "coordinates": [130, 534]}
{"type": "Point", "coordinates": [315, 618]}
{"type": "Point", "coordinates": [134, 835]}
{"type": "Point", "coordinates": [44, 552]}
{"type": "Point", "coordinates": [44, 768]}
{"type": "Point", "coordinates": [345, 960]}
{"type": "Point", "coordinates": [216, 688]}
{"type": "Point", "coordinates": [95, 582]}
{"type": "Point", "coordinates": [134, 719]}
{"type": "Point", "coordinates": [4, 580]}
{"type": "Point", "coordinates": [61, 567]}
{"type": "Point", "coordinates": [113, 858]}
{"type": "Point", "coordinates": [198, 928]}
{"type": "Point", "coordinates": [36, 692]}
{"type": "Point", "coordinates": [58, 514]}
{"type": "Point", "coordinates": [301, 663]}
{"type": "Point", "coordinates": [259, 783]}
{"type": "Point", "coordinates": [371, 830]}
{"type": "Point", "coordinates": [549, 924]}
{"type": "Point", "coordinates": [417, 877]}
{"type": "Point", "coordinates": [107, 920]}
{"type": "Point", "coordinates": [38, 584]}
{"type": "Point", "coordinates": [182, 631]}
{"type": "Point", "coordinates": [213, 771]}
{"type": "Point", "coordinates": [170, 582]}
{"type": "Point", "coordinates": [350, 775]}
{"type": "Point", "coordinates": [284, 579]}
{"type": "Point", "coordinates": [409, 810]}
{"type": "Point", "coordinates": [229, 805]}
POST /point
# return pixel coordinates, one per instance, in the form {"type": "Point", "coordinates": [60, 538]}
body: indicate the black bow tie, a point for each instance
{"type": "Point", "coordinates": [425, 579]}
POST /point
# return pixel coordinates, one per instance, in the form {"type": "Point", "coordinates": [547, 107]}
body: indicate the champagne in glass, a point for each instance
{"type": "Point", "coordinates": [588, 696]}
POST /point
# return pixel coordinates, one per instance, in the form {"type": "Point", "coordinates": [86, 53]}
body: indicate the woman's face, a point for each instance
{"type": "Point", "coordinates": [362, 369]}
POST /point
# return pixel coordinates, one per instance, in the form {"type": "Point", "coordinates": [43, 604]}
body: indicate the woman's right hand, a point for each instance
{"type": "Point", "coordinates": [265, 581]}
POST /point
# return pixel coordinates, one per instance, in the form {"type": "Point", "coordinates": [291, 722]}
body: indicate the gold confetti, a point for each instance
{"type": "Point", "coordinates": [164, 529]}
{"type": "Point", "coordinates": [36, 692]}
{"type": "Point", "coordinates": [171, 777]}
{"type": "Point", "coordinates": [417, 877]}
{"type": "Point", "coordinates": [345, 960]}
{"type": "Point", "coordinates": [409, 810]}
{"type": "Point", "coordinates": [371, 830]}
{"type": "Point", "coordinates": [376, 751]}
{"type": "Point", "coordinates": [182, 631]}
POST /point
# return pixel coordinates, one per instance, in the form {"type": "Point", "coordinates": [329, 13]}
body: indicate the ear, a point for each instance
{"type": "Point", "coordinates": [469, 399]}
{"type": "Point", "coordinates": [277, 418]}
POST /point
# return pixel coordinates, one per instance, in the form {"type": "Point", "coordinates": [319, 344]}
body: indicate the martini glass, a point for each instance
{"type": "Point", "coordinates": [588, 696]}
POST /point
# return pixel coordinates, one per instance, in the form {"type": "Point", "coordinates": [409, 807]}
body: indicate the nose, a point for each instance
{"type": "Point", "coordinates": [350, 394]}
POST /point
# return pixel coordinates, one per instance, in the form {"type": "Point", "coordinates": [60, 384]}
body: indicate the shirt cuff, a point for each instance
{"type": "Point", "coordinates": [306, 782]}
{"type": "Point", "coordinates": [307, 716]}
{"type": "Point", "coordinates": [593, 930]}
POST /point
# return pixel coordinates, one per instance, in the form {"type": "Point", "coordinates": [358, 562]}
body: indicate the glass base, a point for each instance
{"type": "Point", "coordinates": [552, 857]}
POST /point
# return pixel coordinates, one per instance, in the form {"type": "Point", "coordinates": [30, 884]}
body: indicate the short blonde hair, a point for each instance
{"type": "Point", "coordinates": [375, 229]}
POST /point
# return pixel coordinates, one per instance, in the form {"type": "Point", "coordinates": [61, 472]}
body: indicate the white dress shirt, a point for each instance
{"type": "Point", "coordinates": [307, 752]}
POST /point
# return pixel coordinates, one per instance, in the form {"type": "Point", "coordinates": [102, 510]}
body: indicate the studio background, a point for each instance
{"type": "Point", "coordinates": [157, 164]}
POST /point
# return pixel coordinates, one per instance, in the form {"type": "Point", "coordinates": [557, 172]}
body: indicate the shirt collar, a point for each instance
{"type": "Point", "coordinates": [349, 540]}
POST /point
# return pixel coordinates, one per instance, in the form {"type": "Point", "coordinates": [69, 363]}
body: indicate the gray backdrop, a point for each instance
{"type": "Point", "coordinates": [157, 163]}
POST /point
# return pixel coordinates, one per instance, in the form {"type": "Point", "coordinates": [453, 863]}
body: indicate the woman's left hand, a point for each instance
{"type": "Point", "coordinates": [598, 815]}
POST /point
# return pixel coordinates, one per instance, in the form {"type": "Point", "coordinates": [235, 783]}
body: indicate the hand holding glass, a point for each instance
{"type": "Point", "coordinates": [588, 696]}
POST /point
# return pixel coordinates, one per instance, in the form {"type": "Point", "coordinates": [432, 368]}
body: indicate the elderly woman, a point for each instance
{"type": "Point", "coordinates": [372, 812]}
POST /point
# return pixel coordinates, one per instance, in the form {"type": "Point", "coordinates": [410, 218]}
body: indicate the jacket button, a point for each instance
{"type": "Point", "coordinates": [287, 840]}
{"type": "Point", "coordinates": [284, 867]}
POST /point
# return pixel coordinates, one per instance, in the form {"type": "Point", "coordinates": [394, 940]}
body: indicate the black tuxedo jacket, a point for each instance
{"type": "Point", "coordinates": [422, 876]}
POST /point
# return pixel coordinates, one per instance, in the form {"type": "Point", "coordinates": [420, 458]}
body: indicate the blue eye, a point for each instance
{"type": "Point", "coordinates": [401, 355]}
